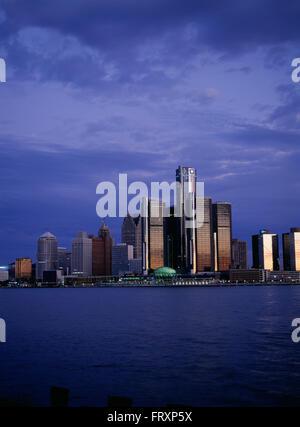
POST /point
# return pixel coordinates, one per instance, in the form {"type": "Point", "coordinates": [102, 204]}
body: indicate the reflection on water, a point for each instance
{"type": "Point", "coordinates": [210, 346]}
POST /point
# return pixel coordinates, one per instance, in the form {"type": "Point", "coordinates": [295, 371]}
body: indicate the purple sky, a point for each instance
{"type": "Point", "coordinates": [98, 88]}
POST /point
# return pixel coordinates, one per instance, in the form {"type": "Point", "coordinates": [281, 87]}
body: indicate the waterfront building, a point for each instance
{"type": "Point", "coordinates": [186, 201]}
{"type": "Point", "coordinates": [102, 252]}
{"type": "Point", "coordinates": [4, 273]}
{"type": "Point", "coordinates": [250, 275]}
{"type": "Point", "coordinates": [286, 251]}
{"type": "Point", "coordinates": [136, 266]}
{"type": "Point", "coordinates": [222, 229]}
{"type": "Point", "coordinates": [23, 268]}
{"type": "Point", "coordinates": [204, 236]}
{"type": "Point", "coordinates": [47, 257]}
{"type": "Point", "coordinates": [132, 234]}
{"type": "Point", "coordinates": [295, 249]}
{"type": "Point", "coordinates": [239, 254]}
{"type": "Point", "coordinates": [153, 237]}
{"type": "Point", "coordinates": [265, 250]}
{"type": "Point", "coordinates": [62, 259]}
{"type": "Point", "coordinates": [121, 254]}
{"type": "Point", "coordinates": [81, 263]}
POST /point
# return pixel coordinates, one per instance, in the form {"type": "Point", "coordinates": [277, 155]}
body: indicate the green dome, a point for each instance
{"type": "Point", "coordinates": [164, 272]}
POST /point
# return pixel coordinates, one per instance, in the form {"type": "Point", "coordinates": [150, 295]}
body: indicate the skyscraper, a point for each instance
{"type": "Point", "coordinates": [265, 250]}
{"type": "Point", "coordinates": [132, 234]}
{"type": "Point", "coordinates": [102, 252]}
{"type": "Point", "coordinates": [82, 255]}
{"type": "Point", "coordinates": [46, 258]}
{"type": "Point", "coordinates": [286, 251]}
{"type": "Point", "coordinates": [62, 253]}
{"type": "Point", "coordinates": [295, 249]}
{"type": "Point", "coordinates": [186, 199]}
{"type": "Point", "coordinates": [239, 254]}
{"type": "Point", "coordinates": [152, 234]}
{"type": "Point", "coordinates": [121, 254]}
{"type": "Point", "coordinates": [23, 268]}
{"type": "Point", "coordinates": [222, 228]}
{"type": "Point", "coordinates": [171, 252]}
{"type": "Point", "coordinates": [204, 236]}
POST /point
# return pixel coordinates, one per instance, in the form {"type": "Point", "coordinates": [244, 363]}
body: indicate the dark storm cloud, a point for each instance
{"type": "Point", "coordinates": [117, 28]}
{"type": "Point", "coordinates": [229, 25]}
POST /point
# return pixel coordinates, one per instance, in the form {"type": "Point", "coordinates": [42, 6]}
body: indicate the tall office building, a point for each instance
{"type": "Point", "coordinates": [23, 268]}
{"type": "Point", "coordinates": [152, 234]}
{"type": "Point", "coordinates": [265, 250]}
{"type": "Point", "coordinates": [68, 262]}
{"type": "Point", "coordinates": [102, 252]}
{"type": "Point", "coordinates": [121, 254]}
{"type": "Point", "coordinates": [204, 236]}
{"type": "Point", "coordinates": [295, 249]}
{"type": "Point", "coordinates": [132, 234]}
{"type": "Point", "coordinates": [239, 254]}
{"type": "Point", "coordinates": [82, 255]}
{"type": "Point", "coordinates": [171, 251]}
{"type": "Point", "coordinates": [46, 258]}
{"type": "Point", "coordinates": [186, 200]}
{"type": "Point", "coordinates": [286, 251]}
{"type": "Point", "coordinates": [62, 260]}
{"type": "Point", "coordinates": [222, 228]}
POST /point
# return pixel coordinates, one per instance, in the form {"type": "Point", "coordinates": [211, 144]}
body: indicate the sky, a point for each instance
{"type": "Point", "coordinates": [101, 87]}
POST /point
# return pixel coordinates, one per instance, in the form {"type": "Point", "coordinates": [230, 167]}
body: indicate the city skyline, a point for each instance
{"type": "Point", "coordinates": [159, 239]}
{"type": "Point", "coordinates": [84, 100]}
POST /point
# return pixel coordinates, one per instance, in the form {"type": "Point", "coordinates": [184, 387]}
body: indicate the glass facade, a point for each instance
{"type": "Point", "coordinates": [204, 236]}
{"type": "Point", "coordinates": [153, 234]}
{"type": "Point", "coordinates": [265, 250]}
{"type": "Point", "coordinates": [286, 251]}
{"type": "Point", "coordinates": [295, 249]}
{"type": "Point", "coordinates": [222, 226]}
{"type": "Point", "coordinates": [187, 177]}
{"type": "Point", "coordinates": [239, 254]}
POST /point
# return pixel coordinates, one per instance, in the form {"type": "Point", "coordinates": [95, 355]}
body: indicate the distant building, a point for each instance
{"type": "Point", "coordinates": [4, 273]}
{"type": "Point", "coordinates": [186, 199]}
{"type": "Point", "coordinates": [136, 266]}
{"type": "Point", "coordinates": [222, 228]}
{"type": "Point", "coordinates": [265, 250]}
{"type": "Point", "coordinates": [46, 258]}
{"type": "Point", "coordinates": [204, 236]}
{"type": "Point", "coordinates": [121, 254]}
{"type": "Point", "coordinates": [250, 275]}
{"type": "Point", "coordinates": [171, 241]}
{"type": "Point", "coordinates": [239, 254]}
{"type": "Point", "coordinates": [286, 251]}
{"type": "Point", "coordinates": [62, 261]}
{"type": "Point", "coordinates": [82, 255]}
{"type": "Point", "coordinates": [132, 234]}
{"type": "Point", "coordinates": [52, 277]}
{"type": "Point", "coordinates": [295, 249]}
{"type": "Point", "coordinates": [11, 271]}
{"type": "Point", "coordinates": [102, 252]}
{"type": "Point", "coordinates": [23, 268]}
{"type": "Point", "coordinates": [153, 234]}
{"type": "Point", "coordinates": [68, 262]}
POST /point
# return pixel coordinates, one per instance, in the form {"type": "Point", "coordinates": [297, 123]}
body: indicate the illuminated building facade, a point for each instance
{"type": "Point", "coordinates": [204, 236]}
{"type": "Point", "coordinates": [152, 234]}
{"type": "Point", "coordinates": [23, 268]}
{"type": "Point", "coordinates": [222, 228]}
{"type": "Point", "coordinates": [186, 199]}
{"type": "Point", "coordinates": [295, 249]}
{"type": "Point", "coordinates": [265, 250]}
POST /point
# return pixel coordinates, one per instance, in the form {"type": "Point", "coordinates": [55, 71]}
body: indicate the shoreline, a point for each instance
{"type": "Point", "coordinates": [158, 285]}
